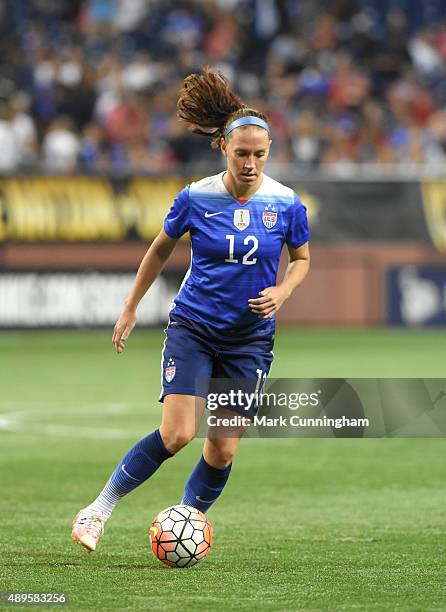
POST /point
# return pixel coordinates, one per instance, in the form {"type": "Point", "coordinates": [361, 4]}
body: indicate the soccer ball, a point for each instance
{"type": "Point", "coordinates": [180, 536]}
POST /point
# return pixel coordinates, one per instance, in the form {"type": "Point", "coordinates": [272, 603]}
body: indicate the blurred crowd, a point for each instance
{"type": "Point", "coordinates": [91, 85]}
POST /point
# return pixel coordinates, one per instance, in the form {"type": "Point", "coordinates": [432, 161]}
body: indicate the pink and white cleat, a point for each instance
{"type": "Point", "coordinates": [87, 528]}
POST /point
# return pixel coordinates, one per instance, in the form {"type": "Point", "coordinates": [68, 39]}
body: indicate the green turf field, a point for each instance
{"type": "Point", "coordinates": [314, 524]}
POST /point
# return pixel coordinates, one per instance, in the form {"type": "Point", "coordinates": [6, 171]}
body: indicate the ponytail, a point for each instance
{"type": "Point", "coordinates": [207, 103]}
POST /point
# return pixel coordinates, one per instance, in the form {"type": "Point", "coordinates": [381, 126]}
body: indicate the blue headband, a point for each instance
{"type": "Point", "coordinates": [250, 120]}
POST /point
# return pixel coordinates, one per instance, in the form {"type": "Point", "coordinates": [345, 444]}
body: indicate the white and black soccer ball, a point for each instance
{"type": "Point", "coordinates": [180, 536]}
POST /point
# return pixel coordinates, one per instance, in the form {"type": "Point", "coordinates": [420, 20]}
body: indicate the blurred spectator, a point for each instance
{"type": "Point", "coordinates": [409, 101]}
{"type": "Point", "coordinates": [324, 34]}
{"type": "Point", "coordinates": [98, 16]}
{"type": "Point", "coordinates": [183, 26]}
{"type": "Point", "coordinates": [130, 14]}
{"type": "Point", "coordinates": [437, 130]}
{"type": "Point", "coordinates": [45, 68]}
{"type": "Point", "coordinates": [127, 121]}
{"type": "Point", "coordinates": [141, 73]}
{"type": "Point", "coordinates": [305, 141]}
{"type": "Point", "coordinates": [391, 55]}
{"type": "Point", "coordinates": [222, 41]}
{"type": "Point", "coordinates": [372, 139]}
{"type": "Point", "coordinates": [424, 55]}
{"type": "Point", "coordinates": [9, 143]}
{"type": "Point", "coordinates": [342, 81]}
{"type": "Point", "coordinates": [60, 147]}
{"type": "Point", "coordinates": [92, 150]}
{"type": "Point", "coordinates": [349, 86]}
{"type": "Point", "coordinates": [75, 94]}
{"type": "Point", "coordinates": [340, 150]}
{"type": "Point", "coordinates": [24, 129]}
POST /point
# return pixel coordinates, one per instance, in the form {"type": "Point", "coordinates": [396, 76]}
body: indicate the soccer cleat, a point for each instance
{"type": "Point", "coordinates": [87, 528]}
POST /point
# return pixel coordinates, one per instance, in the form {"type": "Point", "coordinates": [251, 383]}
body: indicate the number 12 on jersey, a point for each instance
{"type": "Point", "coordinates": [246, 257]}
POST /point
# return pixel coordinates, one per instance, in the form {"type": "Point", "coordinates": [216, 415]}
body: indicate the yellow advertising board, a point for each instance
{"type": "Point", "coordinates": [83, 208]}
{"type": "Point", "coordinates": [434, 204]}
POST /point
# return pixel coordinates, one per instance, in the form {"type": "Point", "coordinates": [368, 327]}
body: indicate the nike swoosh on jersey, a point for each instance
{"type": "Point", "coordinates": [208, 214]}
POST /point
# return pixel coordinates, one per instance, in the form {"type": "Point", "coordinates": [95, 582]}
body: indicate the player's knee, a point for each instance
{"type": "Point", "coordinates": [177, 439]}
{"type": "Point", "coordinates": [220, 456]}
{"type": "Point", "coordinates": [224, 459]}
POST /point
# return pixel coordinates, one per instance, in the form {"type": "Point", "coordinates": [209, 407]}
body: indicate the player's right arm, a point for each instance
{"type": "Point", "coordinates": [150, 267]}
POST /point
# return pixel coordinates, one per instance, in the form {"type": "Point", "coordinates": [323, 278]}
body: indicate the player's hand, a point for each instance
{"type": "Point", "coordinates": [269, 302]}
{"type": "Point", "coordinates": [123, 329]}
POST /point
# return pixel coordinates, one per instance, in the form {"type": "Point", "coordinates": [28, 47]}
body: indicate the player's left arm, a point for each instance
{"type": "Point", "coordinates": [272, 298]}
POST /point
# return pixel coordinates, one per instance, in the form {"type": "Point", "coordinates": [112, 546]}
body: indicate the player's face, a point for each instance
{"type": "Point", "coordinates": [246, 152]}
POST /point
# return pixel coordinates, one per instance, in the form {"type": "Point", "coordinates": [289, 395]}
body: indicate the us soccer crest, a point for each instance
{"type": "Point", "coordinates": [170, 370]}
{"type": "Point", "coordinates": [241, 218]}
{"type": "Point", "coordinates": [269, 216]}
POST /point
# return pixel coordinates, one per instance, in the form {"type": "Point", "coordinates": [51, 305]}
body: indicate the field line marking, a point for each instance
{"type": "Point", "coordinates": [87, 432]}
{"type": "Point", "coordinates": [21, 421]}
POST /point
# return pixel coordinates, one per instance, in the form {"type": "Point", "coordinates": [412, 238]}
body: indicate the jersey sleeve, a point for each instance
{"type": "Point", "coordinates": [297, 232]}
{"type": "Point", "coordinates": [176, 222]}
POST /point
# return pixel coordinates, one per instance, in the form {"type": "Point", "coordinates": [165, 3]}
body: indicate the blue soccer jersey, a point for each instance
{"type": "Point", "coordinates": [235, 250]}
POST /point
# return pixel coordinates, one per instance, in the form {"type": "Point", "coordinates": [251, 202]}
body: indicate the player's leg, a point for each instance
{"type": "Point", "coordinates": [219, 451]}
{"type": "Point", "coordinates": [181, 415]}
{"type": "Point", "coordinates": [184, 358]}
{"type": "Point", "coordinates": [178, 427]}
{"type": "Point", "coordinates": [210, 475]}
{"type": "Point", "coordinates": [181, 419]}
{"type": "Point", "coordinates": [244, 367]}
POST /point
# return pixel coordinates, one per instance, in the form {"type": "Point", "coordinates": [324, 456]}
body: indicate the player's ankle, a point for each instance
{"type": "Point", "coordinates": [105, 512]}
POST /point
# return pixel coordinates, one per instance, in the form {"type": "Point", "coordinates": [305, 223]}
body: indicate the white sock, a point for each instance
{"type": "Point", "coordinates": [106, 500]}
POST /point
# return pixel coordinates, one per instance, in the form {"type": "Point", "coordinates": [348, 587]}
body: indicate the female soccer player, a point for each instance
{"type": "Point", "coordinates": [221, 325]}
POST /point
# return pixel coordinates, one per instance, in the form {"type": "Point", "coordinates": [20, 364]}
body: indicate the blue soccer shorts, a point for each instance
{"type": "Point", "coordinates": [195, 362]}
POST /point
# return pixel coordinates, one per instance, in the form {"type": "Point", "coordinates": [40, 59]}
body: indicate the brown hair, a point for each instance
{"type": "Point", "coordinates": [207, 103]}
